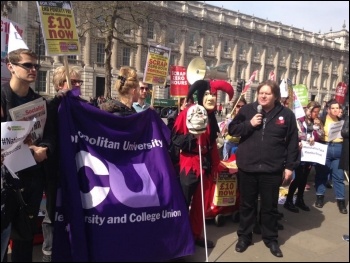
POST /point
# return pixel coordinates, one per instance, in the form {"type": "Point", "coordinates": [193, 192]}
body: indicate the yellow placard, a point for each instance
{"type": "Point", "coordinates": [58, 27]}
{"type": "Point", "coordinates": [225, 190]}
{"type": "Point", "coordinates": [157, 65]}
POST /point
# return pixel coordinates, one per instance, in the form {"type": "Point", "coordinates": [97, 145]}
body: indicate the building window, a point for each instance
{"type": "Point", "coordinates": [100, 53]}
{"type": "Point", "coordinates": [126, 56]}
{"type": "Point", "coordinates": [39, 44]}
{"type": "Point", "coordinates": [150, 30]}
{"type": "Point", "coordinates": [72, 58]}
{"type": "Point", "coordinates": [41, 82]}
{"type": "Point", "coordinates": [192, 42]}
{"type": "Point", "coordinates": [210, 43]}
{"type": "Point", "coordinates": [226, 46]}
{"type": "Point", "coordinates": [172, 35]}
{"type": "Point", "coordinates": [172, 59]}
{"type": "Point", "coordinates": [239, 72]}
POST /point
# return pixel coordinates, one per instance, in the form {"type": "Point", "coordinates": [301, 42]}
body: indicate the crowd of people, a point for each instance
{"type": "Point", "coordinates": [250, 131]}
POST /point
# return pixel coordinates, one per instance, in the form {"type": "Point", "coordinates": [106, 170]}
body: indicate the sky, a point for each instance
{"type": "Point", "coordinates": [313, 16]}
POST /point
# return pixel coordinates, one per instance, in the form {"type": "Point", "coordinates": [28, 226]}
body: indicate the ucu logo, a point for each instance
{"type": "Point", "coordinates": [147, 197]}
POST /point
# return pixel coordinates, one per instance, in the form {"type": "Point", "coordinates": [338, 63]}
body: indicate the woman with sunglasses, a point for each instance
{"type": "Point", "coordinates": [127, 86]}
{"type": "Point", "coordinates": [140, 104]}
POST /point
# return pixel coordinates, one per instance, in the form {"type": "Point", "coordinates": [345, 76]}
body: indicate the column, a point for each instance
{"type": "Point", "coordinates": [218, 51]}
{"type": "Point", "coordinates": [183, 47]}
{"type": "Point", "coordinates": [114, 58]}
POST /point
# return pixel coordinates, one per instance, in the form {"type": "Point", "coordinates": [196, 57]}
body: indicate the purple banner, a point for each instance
{"type": "Point", "coordinates": [120, 199]}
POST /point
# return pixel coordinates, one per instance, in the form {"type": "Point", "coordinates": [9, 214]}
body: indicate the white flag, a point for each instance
{"type": "Point", "coordinates": [15, 40]}
{"type": "Point", "coordinates": [284, 89]}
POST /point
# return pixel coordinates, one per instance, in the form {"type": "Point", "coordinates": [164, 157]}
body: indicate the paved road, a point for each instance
{"type": "Point", "coordinates": [314, 236]}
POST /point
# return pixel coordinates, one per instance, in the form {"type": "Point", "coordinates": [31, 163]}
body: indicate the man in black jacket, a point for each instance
{"type": "Point", "coordinates": [22, 63]}
{"type": "Point", "coordinates": [267, 152]}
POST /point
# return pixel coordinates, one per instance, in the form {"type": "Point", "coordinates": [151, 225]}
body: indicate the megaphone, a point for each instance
{"type": "Point", "coordinates": [198, 70]}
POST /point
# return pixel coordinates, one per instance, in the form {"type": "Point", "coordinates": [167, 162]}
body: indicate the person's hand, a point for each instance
{"type": "Point", "coordinates": [61, 93]}
{"type": "Point", "coordinates": [28, 140]}
{"type": "Point", "coordinates": [39, 153]}
{"type": "Point", "coordinates": [287, 177]}
{"type": "Point", "coordinates": [256, 120]}
{"type": "Point", "coordinates": [311, 141]}
{"type": "Point", "coordinates": [300, 146]}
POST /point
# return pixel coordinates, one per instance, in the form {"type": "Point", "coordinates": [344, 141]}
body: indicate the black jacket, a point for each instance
{"type": "Point", "coordinates": [117, 108]}
{"type": "Point", "coordinates": [270, 147]}
{"type": "Point", "coordinates": [32, 178]}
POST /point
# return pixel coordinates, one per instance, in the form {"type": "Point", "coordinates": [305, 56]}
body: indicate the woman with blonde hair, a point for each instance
{"type": "Point", "coordinates": [127, 86]}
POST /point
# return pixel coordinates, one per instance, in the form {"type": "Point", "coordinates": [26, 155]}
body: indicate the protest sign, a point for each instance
{"type": "Point", "coordinates": [302, 93]}
{"type": "Point", "coordinates": [334, 130]}
{"type": "Point", "coordinates": [13, 133]}
{"type": "Point", "coordinates": [316, 153]}
{"type": "Point", "coordinates": [178, 81]}
{"type": "Point", "coordinates": [59, 29]}
{"type": "Point", "coordinates": [297, 107]}
{"type": "Point", "coordinates": [157, 65]}
{"type": "Point", "coordinates": [29, 111]}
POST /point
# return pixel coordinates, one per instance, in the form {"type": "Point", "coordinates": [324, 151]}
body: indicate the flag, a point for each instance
{"type": "Point", "coordinates": [250, 81]}
{"type": "Point", "coordinates": [272, 76]}
{"type": "Point", "coordinates": [284, 88]}
{"type": "Point", "coordinates": [15, 40]}
{"type": "Point", "coordinates": [116, 203]}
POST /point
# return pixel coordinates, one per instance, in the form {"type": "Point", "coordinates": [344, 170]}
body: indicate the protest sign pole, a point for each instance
{"type": "Point", "coordinates": [291, 97]}
{"type": "Point", "coordinates": [202, 190]}
{"type": "Point", "coordinates": [233, 109]}
{"type": "Point", "coordinates": [65, 62]}
{"type": "Point", "coordinates": [152, 96]}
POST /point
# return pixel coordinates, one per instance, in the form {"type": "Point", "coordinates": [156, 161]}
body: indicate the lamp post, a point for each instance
{"type": "Point", "coordinates": [39, 51]}
{"type": "Point", "coordinates": [199, 49]}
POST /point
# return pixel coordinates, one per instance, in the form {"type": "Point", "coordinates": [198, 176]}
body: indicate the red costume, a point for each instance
{"type": "Point", "coordinates": [189, 155]}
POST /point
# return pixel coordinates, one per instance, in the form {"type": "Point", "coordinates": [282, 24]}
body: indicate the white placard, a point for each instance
{"type": "Point", "coordinates": [334, 131]}
{"type": "Point", "coordinates": [316, 153]}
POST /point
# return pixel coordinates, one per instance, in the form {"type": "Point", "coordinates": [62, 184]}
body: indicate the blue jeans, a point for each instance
{"type": "Point", "coordinates": [47, 227]}
{"type": "Point", "coordinates": [226, 151]}
{"type": "Point", "coordinates": [5, 237]}
{"type": "Point", "coordinates": [331, 167]}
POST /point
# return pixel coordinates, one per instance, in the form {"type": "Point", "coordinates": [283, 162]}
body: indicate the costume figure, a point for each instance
{"type": "Point", "coordinates": [189, 152]}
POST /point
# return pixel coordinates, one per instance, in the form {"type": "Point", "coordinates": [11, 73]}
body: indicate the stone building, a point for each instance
{"type": "Point", "coordinates": [242, 43]}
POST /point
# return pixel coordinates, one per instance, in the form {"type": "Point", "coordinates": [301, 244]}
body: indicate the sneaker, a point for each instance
{"type": "Point", "coordinates": [346, 238]}
{"type": "Point", "coordinates": [46, 258]}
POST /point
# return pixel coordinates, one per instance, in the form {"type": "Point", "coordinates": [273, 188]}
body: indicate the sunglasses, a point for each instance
{"type": "Point", "coordinates": [144, 88]}
{"type": "Point", "coordinates": [27, 66]}
{"type": "Point", "coordinates": [75, 82]}
{"type": "Point", "coordinates": [239, 106]}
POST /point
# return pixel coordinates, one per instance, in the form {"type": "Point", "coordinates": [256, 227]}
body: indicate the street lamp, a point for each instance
{"type": "Point", "coordinates": [199, 49]}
